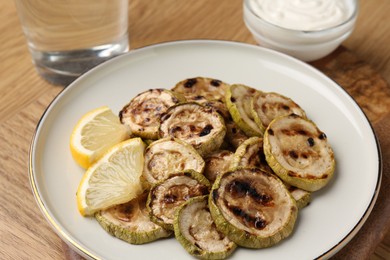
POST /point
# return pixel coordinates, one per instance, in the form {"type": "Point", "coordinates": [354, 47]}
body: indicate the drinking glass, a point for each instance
{"type": "Point", "coordinates": [68, 37]}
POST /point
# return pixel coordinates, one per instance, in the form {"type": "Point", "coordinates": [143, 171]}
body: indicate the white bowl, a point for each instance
{"type": "Point", "coordinates": [304, 45]}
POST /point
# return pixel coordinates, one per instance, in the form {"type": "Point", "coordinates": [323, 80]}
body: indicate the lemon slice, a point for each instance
{"type": "Point", "coordinates": [113, 179]}
{"type": "Point", "coordinates": [94, 134]}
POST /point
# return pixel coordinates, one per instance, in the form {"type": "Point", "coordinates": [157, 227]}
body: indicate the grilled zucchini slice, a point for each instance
{"type": "Point", "coordinates": [200, 126]}
{"type": "Point", "coordinates": [250, 154]}
{"type": "Point", "coordinates": [142, 114]}
{"type": "Point", "coordinates": [217, 105]}
{"type": "Point", "coordinates": [170, 155]}
{"type": "Point", "coordinates": [299, 153]}
{"type": "Point", "coordinates": [166, 196]}
{"type": "Point", "coordinates": [195, 230]}
{"type": "Point", "coordinates": [234, 135]}
{"type": "Point", "coordinates": [302, 197]}
{"type": "Point", "coordinates": [266, 106]}
{"type": "Point", "coordinates": [130, 222]}
{"type": "Point", "coordinates": [217, 163]}
{"type": "Point", "coordinates": [252, 207]}
{"type": "Point", "coordinates": [211, 89]}
{"type": "Point", "coordinates": [220, 107]}
{"type": "Point", "coordinates": [238, 100]}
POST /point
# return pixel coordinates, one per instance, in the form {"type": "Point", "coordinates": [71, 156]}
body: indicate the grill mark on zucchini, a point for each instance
{"type": "Point", "coordinates": [308, 176]}
{"type": "Point", "coordinates": [199, 97]}
{"type": "Point", "coordinates": [242, 188]}
{"type": "Point", "coordinates": [293, 154]}
{"type": "Point", "coordinates": [264, 107]}
{"type": "Point", "coordinates": [303, 154]}
{"type": "Point", "coordinates": [190, 83]}
{"type": "Point", "coordinates": [215, 83]}
{"type": "Point", "coordinates": [215, 196]}
{"type": "Point", "coordinates": [124, 212]}
{"type": "Point", "coordinates": [293, 131]}
{"type": "Point", "coordinates": [206, 130]}
{"type": "Point", "coordinates": [250, 221]}
{"type": "Point", "coordinates": [173, 194]}
{"type": "Point", "coordinates": [310, 141]}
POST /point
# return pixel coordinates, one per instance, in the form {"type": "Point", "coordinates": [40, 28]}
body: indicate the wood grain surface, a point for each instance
{"type": "Point", "coordinates": [363, 69]}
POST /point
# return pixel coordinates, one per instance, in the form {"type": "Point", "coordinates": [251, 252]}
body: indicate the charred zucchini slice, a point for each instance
{"type": "Point", "coordinates": [196, 231]}
{"type": "Point", "coordinates": [252, 207]}
{"type": "Point", "coordinates": [166, 196]}
{"type": "Point", "coordinates": [250, 154]}
{"type": "Point", "coordinates": [142, 114]}
{"type": "Point", "coordinates": [238, 100]}
{"type": "Point", "coordinates": [220, 107]}
{"type": "Point", "coordinates": [200, 126]}
{"type": "Point", "coordinates": [170, 155]}
{"type": "Point", "coordinates": [211, 89]}
{"type": "Point", "coordinates": [130, 222]}
{"type": "Point", "coordinates": [217, 105]}
{"type": "Point", "coordinates": [234, 135]}
{"type": "Point", "coordinates": [299, 153]}
{"type": "Point", "coordinates": [266, 106]}
{"type": "Point", "coordinates": [302, 197]}
{"type": "Point", "coordinates": [217, 163]}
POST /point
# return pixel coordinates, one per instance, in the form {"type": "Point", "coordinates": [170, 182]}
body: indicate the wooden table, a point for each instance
{"type": "Point", "coordinates": [24, 232]}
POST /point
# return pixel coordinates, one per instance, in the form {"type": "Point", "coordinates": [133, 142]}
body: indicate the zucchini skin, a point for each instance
{"type": "Point", "coordinates": [241, 117]}
{"type": "Point", "coordinates": [296, 178]}
{"type": "Point", "coordinates": [128, 235]}
{"type": "Point", "coordinates": [201, 181]}
{"type": "Point", "coordinates": [134, 238]}
{"type": "Point", "coordinates": [192, 248]}
{"type": "Point", "coordinates": [250, 154]}
{"type": "Point", "coordinates": [302, 200]}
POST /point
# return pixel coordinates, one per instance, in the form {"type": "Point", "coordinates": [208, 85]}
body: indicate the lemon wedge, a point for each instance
{"type": "Point", "coordinates": [113, 179]}
{"type": "Point", "coordinates": [94, 134]}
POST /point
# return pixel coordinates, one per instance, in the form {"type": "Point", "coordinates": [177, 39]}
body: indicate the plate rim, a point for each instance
{"type": "Point", "coordinates": [85, 252]}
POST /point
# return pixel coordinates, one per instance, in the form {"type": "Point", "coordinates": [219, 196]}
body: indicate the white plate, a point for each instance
{"type": "Point", "coordinates": [336, 213]}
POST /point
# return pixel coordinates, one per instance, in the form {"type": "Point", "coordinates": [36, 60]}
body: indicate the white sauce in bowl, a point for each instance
{"type": "Point", "coordinates": [304, 15]}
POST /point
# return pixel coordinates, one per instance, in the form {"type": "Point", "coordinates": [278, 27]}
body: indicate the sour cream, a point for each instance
{"type": "Point", "coordinates": [303, 15]}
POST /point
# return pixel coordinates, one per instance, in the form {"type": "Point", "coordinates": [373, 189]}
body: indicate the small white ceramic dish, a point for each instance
{"type": "Point", "coordinates": [336, 213]}
{"type": "Point", "coordinates": [304, 45]}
